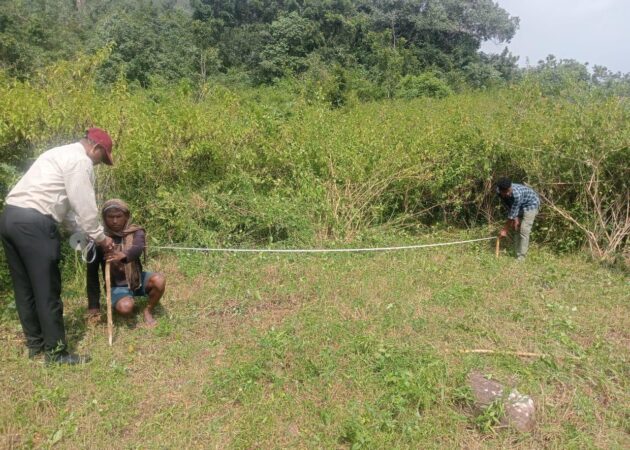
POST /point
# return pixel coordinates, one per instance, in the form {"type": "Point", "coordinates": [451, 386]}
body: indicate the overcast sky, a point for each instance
{"type": "Point", "coordinates": [593, 31]}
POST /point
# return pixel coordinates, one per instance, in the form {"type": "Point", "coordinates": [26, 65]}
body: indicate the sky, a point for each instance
{"type": "Point", "coordinates": [593, 31]}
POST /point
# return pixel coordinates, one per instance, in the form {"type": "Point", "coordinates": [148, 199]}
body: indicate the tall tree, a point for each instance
{"type": "Point", "coordinates": [291, 38]}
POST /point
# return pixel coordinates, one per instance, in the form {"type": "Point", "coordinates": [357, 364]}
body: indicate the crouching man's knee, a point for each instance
{"type": "Point", "coordinates": [157, 282]}
{"type": "Point", "coordinates": [124, 306]}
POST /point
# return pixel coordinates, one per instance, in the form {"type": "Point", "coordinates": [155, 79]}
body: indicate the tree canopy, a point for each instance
{"type": "Point", "coordinates": [263, 40]}
{"type": "Point", "coordinates": [378, 48]}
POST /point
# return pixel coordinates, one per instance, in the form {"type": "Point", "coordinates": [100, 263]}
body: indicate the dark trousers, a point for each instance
{"type": "Point", "coordinates": [33, 250]}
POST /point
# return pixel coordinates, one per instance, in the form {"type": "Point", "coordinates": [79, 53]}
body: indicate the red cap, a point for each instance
{"type": "Point", "coordinates": [101, 138]}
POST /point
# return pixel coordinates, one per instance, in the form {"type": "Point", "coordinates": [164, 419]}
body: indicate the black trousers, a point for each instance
{"type": "Point", "coordinates": [33, 250]}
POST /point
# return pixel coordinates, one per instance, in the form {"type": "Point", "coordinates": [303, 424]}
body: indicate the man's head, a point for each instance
{"type": "Point", "coordinates": [98, 146]}
{"type": "Point", "coordinates": [115, 215]}
{"type": "Point", "coordinates": [504, 187]}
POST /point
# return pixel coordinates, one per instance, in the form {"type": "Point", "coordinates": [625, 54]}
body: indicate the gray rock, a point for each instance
{"type": "Point", "coordinates": [519, 408]}
{"type": "Point", "coordinates": [485, 391]}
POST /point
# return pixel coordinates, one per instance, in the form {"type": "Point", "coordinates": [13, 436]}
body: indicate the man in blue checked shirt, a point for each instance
{"type": "Point", "coordinates": [522, 204]}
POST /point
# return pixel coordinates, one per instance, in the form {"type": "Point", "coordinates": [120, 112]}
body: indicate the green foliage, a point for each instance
{"type": "Point", "coordinates": [328, 85]}
{"type": "Point", "coordinates": [386, 63]}
{"type": "Point", "coordinates": [261, 41]}
{"type": "Point", "coordinates": [203, 164]}
{"type": "Point", "coordinates": [291, 38]}
{"type": "Point", "coordinates": [555, 76]}
{"type": "Point", "coordinates": [503, 63]}
{"type": "Point", "coordinates": [480, 75]}
{"type": "Point", "coordinates": [491, 416]}
{"type": "Point", "coordinates": [8, 177]}
{"type": "Point", "coordinates": [424, 85]}
{"type": "Point", "coordinates": [36, 33]}
{"type": "Point", "coordinates": [148, 42]}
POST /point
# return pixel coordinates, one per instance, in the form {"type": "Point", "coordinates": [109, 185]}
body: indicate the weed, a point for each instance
{"type": "Point", "coordinates": [491, 416]}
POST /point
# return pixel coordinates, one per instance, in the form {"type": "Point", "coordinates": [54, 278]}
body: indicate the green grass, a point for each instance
{"type": "Point", "coordinates": [336, 351]}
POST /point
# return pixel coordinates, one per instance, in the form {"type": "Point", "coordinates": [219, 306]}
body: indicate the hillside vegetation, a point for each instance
{"type": "Point", "coordinates": [206, 163]}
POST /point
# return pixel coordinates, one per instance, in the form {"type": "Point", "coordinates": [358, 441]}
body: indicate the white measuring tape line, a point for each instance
{"type": "Point", "coordinates": [318, 250]}
{"type": "Point", "coordinates": [81, 243]}
{"type": "Point", "coordinates": [88, 254]}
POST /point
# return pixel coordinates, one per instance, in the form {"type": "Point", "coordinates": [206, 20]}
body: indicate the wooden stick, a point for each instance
{"type": "Point", "coordinates": [108, 289]}
{"type": "Point", "coordinates": [497, 247]}
{"type": "Point", "coordinates": [505, 352]}
{"type": "Point", "coordinates": [508, 352]}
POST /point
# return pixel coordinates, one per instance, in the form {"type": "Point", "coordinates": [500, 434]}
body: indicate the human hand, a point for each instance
{"type": "Point", "coordinates": [107, 244]}
{"type": "Point", "coordinates": [516, 224]}
{"type": "Point", "coordinates": [503, 233]}
{"type": "Point", "coordinates": [115, 256]}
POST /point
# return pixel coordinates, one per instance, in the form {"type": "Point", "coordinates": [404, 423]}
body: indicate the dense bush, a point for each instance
{"type": "Point", "coordinates": [425, 85]}
{"type": "Point", "coordinates": [206, 165]}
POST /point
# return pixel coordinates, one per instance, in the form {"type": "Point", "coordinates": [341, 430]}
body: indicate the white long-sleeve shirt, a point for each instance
{"type": "Point", "coordinates": [60, 183]}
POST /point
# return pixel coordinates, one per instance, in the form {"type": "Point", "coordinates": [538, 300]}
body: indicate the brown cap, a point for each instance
{"type": "Point", "coordinates": [101, 138]}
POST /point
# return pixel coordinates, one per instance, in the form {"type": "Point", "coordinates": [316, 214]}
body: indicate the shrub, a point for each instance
{"type": "Point", "coordinates": [424, 85]}
{"type": "Point", "coordinates": [205, 164]}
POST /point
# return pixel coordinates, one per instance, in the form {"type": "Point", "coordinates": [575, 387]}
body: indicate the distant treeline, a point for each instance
{"type": "Point", "coordinates": [371, 48]}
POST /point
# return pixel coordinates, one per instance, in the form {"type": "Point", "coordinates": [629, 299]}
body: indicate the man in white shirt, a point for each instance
{"type": "Point", "coordinates": [58, 187]}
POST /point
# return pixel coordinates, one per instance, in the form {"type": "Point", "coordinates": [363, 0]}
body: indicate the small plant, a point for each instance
{"type": "Point", "coordinates": [491, 416]}
{"type": "Point", "coordinates": [463, 396]}
{"type": "Point", "coordinates": [356, 434]}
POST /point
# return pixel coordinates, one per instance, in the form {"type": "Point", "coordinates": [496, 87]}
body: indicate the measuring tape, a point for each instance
{"type": "Point", "coordinates": [81, 243]}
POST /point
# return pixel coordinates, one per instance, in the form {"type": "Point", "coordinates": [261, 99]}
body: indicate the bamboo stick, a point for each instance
{"type": "Point", "coordinates": [108, 289]}
{"type": "Point", "coordinates": [505, 352]}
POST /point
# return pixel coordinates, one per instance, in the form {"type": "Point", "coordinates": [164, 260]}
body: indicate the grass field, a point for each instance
{"type": "Point", "coordinates": [337, 351]}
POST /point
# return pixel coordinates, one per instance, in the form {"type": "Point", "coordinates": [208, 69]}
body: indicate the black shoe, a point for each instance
{"type": "Point", "coordinates": [66, 358]}
{"type": "Point", "coordinates": [33, 352]}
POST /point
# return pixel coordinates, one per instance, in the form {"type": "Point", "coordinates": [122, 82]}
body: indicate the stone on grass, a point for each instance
{"type": "Point", "coordinates": [519, 408]}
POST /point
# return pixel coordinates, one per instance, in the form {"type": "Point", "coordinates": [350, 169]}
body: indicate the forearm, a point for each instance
{"type": "Point", "coordinates": [510, 224]}
{"type": "Point", "coordinates": [134, 252]}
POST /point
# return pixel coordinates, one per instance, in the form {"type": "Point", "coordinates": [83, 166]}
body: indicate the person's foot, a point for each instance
{"type": "Point", "coordinates": [520, 259]}
{"type": "Point", "coordinates": [149, 320]}
{"type": "Point", "coordinates": [70, 359]}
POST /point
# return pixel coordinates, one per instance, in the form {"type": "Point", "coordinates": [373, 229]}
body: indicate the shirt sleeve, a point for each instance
{"type": "Point", "coordinates": [79, 182]}
{"type": "Point", "coordinates": [133, 253]}
{"type": "Point", "coordinates": [70, 223]}
{"type": "Point", "coordinates": [516, 206]}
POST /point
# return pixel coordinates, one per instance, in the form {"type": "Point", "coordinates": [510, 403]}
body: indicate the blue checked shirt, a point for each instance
{"type": "Point", "coordinates": [523, 199]}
